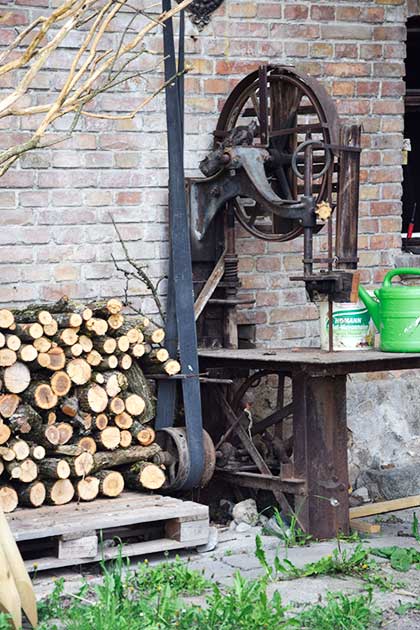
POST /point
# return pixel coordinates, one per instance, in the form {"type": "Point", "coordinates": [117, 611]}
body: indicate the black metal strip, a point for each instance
{"type": "Point", "coordinates": [181, 263]}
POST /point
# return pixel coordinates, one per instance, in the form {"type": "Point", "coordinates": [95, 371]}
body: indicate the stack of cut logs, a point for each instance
{"type": "Point", "coordinates": [75, 405]}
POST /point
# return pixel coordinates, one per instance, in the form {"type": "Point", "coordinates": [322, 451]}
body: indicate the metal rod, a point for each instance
{"type": "Point", "coordinates": [308, 231]}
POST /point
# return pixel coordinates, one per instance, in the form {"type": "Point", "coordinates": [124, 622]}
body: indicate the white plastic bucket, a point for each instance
{"type": "Point", "coordinates": [351, 326]}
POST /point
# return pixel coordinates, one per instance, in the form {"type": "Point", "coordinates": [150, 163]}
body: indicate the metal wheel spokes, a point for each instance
{"type": "Point", "coordinates": [289, 109]}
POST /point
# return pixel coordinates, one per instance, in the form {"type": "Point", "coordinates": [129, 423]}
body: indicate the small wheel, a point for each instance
{"type": "Point", "coordinates": [174, 441]}
{"type": "Point", "coordinates": [315, 145]}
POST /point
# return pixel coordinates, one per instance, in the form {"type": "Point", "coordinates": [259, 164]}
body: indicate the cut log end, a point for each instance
{"type": "Point", "coordinates": [111, 483]}
{"type": "Point", "coordinates": [88, 488]}
{"type": "Point", "coordinates": [8, 499]}
{"type": "Point", "coordinates": [59, 492]}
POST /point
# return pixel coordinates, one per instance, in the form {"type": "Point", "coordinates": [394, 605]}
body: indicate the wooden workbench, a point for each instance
{"type": "Point", "coordinates": [320, 473]}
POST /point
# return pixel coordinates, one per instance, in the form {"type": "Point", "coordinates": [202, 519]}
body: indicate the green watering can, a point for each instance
{"type": "Point", "coordinates": [396, 312]}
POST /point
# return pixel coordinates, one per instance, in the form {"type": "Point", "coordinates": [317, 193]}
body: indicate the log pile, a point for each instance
{"type": "Point", "coordinates": [76, 409]}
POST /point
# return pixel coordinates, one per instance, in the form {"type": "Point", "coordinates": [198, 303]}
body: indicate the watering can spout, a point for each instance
{"type": "Point", "coordinates": [372, 305]}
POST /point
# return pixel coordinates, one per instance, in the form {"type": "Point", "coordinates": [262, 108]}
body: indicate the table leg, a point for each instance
{"type": "Point", "coordinates": [320, 453]}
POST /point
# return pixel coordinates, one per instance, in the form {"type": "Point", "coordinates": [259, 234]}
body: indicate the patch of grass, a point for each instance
{"type": "Point", "coordinates": [291, 534]}
{"type": "Point", "coordinates": [341, 561]}
{"type": "Point", "coordinates": [177, 574]}
{"type": "Point", "coordinates": [341, 613]}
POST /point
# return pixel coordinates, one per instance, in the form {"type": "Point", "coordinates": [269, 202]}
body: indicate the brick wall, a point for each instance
{"type": "Point", "coordinates": [56, 205]}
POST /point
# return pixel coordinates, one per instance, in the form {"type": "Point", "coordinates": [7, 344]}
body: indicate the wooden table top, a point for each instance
{"type": "Point", "coordinates": [311, 360]}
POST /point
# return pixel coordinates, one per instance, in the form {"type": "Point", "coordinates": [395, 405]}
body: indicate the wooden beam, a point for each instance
{"type": "Point", "coordinates": [365, 527]}
{"type": "Point", "coordinates": [385, 506]}
{"type": "Point", "coordinates": [210, 286]}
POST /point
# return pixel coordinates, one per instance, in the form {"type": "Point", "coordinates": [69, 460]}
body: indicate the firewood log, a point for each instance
{"type": "Point", "coordinates": [16, 378]}
{"type": "Point", "coordinates": [87, 443]}
{"type": "Point", "coordinates": [25, 419]}
{"type": "Point", "coordinates": [8, 404]}
{"type": "Point", "coordinates": [116, 405]}
{"type": "Point", "coordinates": [25, 471]}
{"type": "Point", "coordinates": [94, 358]}
{"type": "Point", "coordinates": [134, 404]}
{"type": "Point", "coordinates": [13, 342]}
{"type": "Point", "coordinates": [46, 435]}
{"type": "Point", "coordinates": [6, 318]}
{"type": "Point", "coordinates": [145, 436]}
{"type": "Point", "coordinates": [68, 320]}
{"type": "Point", "coordinates": [7, 454]}
{"type": "Point", "coordinates": [97, 326]}
{"type": "Point", "coordinates": [108, 345]}
{"type": "Point", "coordinates": [86, 343]}
{"type": "Point", "coordinates": [37, 452]}
{"type": "Point", "coordinates": [123, 343]}
{"type": "Point", "coordinates": [98, 377]}
{"type": "Point", "coordinates": [156, 356]}
{"type": "Point", "coordinates": [76, 350]}
{"type": "Point", "coordinates": [80, 465]}
{"type": "Point", "coordinates": [7, 357]}
{"type": "Point", "coordinates": [101, 421]}
{"type": "Point", "coordinates": [144, 475]}
{"type": "Point", "coordinates": [93, 398]}
{"type": "Point", "coordinates": [20, 448]}
{"type": "Point", "coordinates": [69, 450]}
{"type": "Point", "coordinates": [54, 468]}
{"type": "Point", "coordinates": [134, 334]}
{"type": "Point", "coordinates": [108, 439]}
{"type": "Point", "coordinates": [82, 422]}
{"type": "Point", "coordinates": [115, 321]}
{"type": "Point", "coordinates": [51, 417]}
{"type": "Point", "coordinates": [67, 336]}
{"type": "Point", "coordinates": [2, 340]}
{"type": "Point", "coordinates": [123, 420]}
{"type": "Point", "coordinates": [59, 492]}
{"type": "Point", "coordinates": [108, 363]}
{"type": "Point", "coordinates": [27, 353]}
{"type": "Point", "coordinates": [8, 499]}
{"type": "Point", "coordinates": [115, 383]}
{"type": "Point", "coordinates": [122, 457]}
{"type": "Point", "coordinates": [29, 332]}
{"type": "Point", "coordinates": [1, 467]}
{"type": "Point", "coordinates": [32, 495]}
{"type": "Point", "coordinates": [60, 383]}
{"type": "Point", "coordinates": [51, 329]}
{"type": "Point", "coordinates": [87, 488]}
{"type": "Point", "coordinates": [111, 483]}
{"type": "Point", "coordinates": [42, 344]}
{"type": "Point", "coordinates": [138, 350]}
{"type": "Point", "coordinates": [4, 433]}
{"type": "Point", "coordinates": [125, 361]}
{"type": "Point", "coordinates": [170, 367]}
{"type": "Point", "coordinates": [70, 406]}
{"type": "Point", "coordinates": [138, 384]}
{"type": "Point", "coordinates": [105, 308]}
{"type": "Point", "coordinates": [32, 314]}
{"type": "Point", "coordinates": [54, 359]}
{"type": "Point", "coordinates": [41, 395]}
{"type": "Point", "coordinates": [126, 439]}
{"type": "Point", "coordinates": [65, 432]}
{"type": "Point", "coordinates": [79, 371]}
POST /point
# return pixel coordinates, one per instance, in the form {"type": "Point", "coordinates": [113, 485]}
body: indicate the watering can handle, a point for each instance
{"type": "Point", "coordinates": [403, 271]}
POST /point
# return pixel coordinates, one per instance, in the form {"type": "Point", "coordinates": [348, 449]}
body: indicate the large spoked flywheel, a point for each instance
{"type": "Point", "coordinates": [290, 111]}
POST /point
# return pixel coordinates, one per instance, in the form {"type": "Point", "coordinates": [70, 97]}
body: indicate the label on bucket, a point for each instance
{"type": "Point", "coordinates": [350, 326]}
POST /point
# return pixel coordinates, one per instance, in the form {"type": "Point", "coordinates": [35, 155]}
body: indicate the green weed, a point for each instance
{"type": "Point", "coordinates": [4, 621]}
{"type": "Point", "coordinates": [400, 558]}
{"type": "Point", "coordinates": [402, 609]}
{"type": "Point", "coordinates": [341, 613]}
{"type": "Point", "coordinates": [415, 528]}
{"type": "Point", "coordinates": [291, 534]}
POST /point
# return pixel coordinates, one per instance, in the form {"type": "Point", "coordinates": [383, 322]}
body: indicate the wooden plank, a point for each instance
{"type": "Point", "coordinates": [385, 506]}
{"type": "Point", "coordinates": [365, 527]}
{"type": "Point", "coordinates": [129, 509]}
{"type": "Point", "coordinates": [133, 550]}
{"type": "Point", "coordinates": [186, 531]}
{"type": "Point", "coordinates": [78, 546]}
{"type": "Point", "coordinates": [210, 286]}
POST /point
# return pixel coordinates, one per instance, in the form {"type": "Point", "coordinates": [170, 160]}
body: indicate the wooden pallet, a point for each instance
{"type": "Point", "coordinates": [50, 537]}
